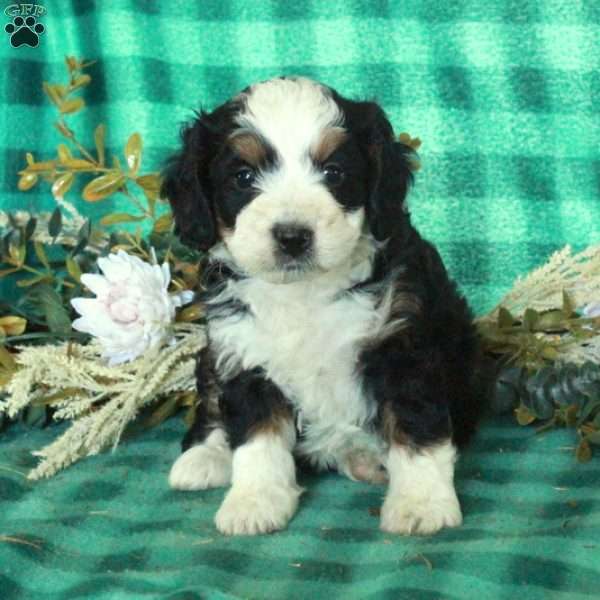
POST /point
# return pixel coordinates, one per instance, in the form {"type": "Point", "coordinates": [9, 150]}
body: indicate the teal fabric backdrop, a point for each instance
{"type": "Point", "coordinates": [505, 96]}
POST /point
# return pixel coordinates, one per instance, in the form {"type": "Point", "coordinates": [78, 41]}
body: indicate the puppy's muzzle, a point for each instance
{"type": "Point", "coordinates": [293, 241]}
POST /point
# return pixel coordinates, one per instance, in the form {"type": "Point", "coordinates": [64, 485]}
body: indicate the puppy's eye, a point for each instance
{"type": "Point", "coordinates": [334, 175]}
{"type": "Point", "coordinates": [244, 178]}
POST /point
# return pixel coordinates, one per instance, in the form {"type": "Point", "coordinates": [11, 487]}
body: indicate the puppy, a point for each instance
{"type": "Point", "coordinates": [335, 333]}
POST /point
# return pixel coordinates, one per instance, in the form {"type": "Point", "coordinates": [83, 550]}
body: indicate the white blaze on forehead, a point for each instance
{"type": "Point", "coordinates": [291, 114]}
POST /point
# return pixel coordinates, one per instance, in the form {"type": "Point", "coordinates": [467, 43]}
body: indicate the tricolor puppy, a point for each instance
{"type": "Point", "coordinates": [335, 334]}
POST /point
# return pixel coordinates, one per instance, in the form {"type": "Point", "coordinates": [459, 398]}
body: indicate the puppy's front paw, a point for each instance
{"type": "Point", "coordinates": [201, 467]}
{"type": "Point", "coordinates": [257, 510]}
{"type": "Point", "coordinates": [414, 515]}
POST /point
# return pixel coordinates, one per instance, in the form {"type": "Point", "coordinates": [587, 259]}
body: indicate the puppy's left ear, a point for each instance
{"type": "Point", "coordinates": [390, 177]}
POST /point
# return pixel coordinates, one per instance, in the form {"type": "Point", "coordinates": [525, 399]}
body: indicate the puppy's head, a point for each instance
{"type": "Point", "coordinates": [288, 175]}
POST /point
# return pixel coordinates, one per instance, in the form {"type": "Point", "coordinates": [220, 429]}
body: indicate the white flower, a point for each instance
{"type": "Point", "coordinates": [133, 310]}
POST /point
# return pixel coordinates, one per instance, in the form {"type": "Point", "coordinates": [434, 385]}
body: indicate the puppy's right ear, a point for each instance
{"type": "Point", "coordinates": [185, 186]}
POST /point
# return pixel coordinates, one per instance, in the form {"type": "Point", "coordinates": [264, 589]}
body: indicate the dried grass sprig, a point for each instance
{"type": "Point", "coordinates": [101, 400]}
{"type": "Point", "coordinates": [542, 289]}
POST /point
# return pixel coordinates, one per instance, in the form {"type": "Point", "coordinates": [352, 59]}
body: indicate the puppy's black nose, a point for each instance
{"type": "Point", "coordinates": [293, 240]}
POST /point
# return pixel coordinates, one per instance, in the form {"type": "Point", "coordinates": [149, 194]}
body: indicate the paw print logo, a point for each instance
{"type": "Point", "coordinates": [24, 32]}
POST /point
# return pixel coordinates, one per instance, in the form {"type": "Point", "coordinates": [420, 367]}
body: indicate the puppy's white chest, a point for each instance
{"type": "Point", "coordinates": [306, 339]}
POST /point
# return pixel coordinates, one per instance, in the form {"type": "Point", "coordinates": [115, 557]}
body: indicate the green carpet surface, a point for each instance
{"type": "Point", "coordinates": [110, 528]}
{"type": "Point", "coordinates": [506, 97]}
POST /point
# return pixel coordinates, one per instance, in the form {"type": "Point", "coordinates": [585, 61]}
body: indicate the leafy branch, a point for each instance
{"type": "Point", "coordinates": [73, 159]}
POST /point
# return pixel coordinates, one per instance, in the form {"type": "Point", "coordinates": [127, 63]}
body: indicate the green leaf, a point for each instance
{"type": "Point", "coordinates": [47, 165]}
{"type": "Point", "coordinates": [7, 360]}
{"type": "Point", "coordinates": [64, 130]}
{"type": "Point", "coordinates": [120, 218]}
{"type": "Point", "coordinates": [32, 281]}
{"type": "Point", "coordinates": [55, 223]}
{"type": "Point", "coordinates": [83, 237]}
{"type": "Point", "coordinates": [150, 183]}
{"type": "Point", "coordinates": [584, 451]}
{"type": "Point", "coordinates": [551, 320]}
{"type": "Point", "coordinates": [13, 221]}
{"type": "Point", "coordinates": [72, 105]}
{"type": "Point", "coordinates": [151, 203]}
{"type": "Point", "coordinates": [550, 353]}
{"type": "Point", "coordinates": [53, 92]}
{"type": "Point", "coordinates": [505, 319]}
{"type": "Point", "coordinates": [85, 231]}
{"type": "Point", "coordinates": [73, 268]}
{"type": "Point", "coordinates": [524, 416]}
{"type": "Point", "coordinates": [571, 416]}
{"type": "Point", "coordinates": [6, 242]}
{"type": "Point", "coordinates": [27, 181]}
{"type": "Point", "coordinates": [81, 245]}
{"type": "Point", "coordinates": [81, 81]}
{"type": "Point", "coordinates": [79, 164]}
{"type": "Point", "coordinates": [12, 325]}
{"type": "Point", "coordinates": [99, 136]}
{"type": "Point", "coordinates": [51, 305]}
{"type": "Point", "coordinates": [30, 228]}
{"type": "Point", "coordinates": [64, 154]}
{"type": "Point", "coordinates": [538, 400]}
{"type": "Point", "coordinates": [133, 152]}
{"type": "Point", "coordinates": [103, 186]}
{"type": "Point", "coordinates": [62, 185]}
{"type": "Point", "coordinates": [593, 438]}
{"type": "Point", "coordinates": [71, 63]}
{"type": "Point", "coordinates": [10, 271]}
{"type": "Point", "coordinates": [163, 224]}
{"type": "Point", "coordinates": [41, 254]}
{"type": "Point", "coordinates": [530, 319]}
{"type": "Point", "coordinates": [191, 313]}
{"type": "Point", "coordinates": [18, 254]}
{"type": "Point", "coordinates": [587, 410]}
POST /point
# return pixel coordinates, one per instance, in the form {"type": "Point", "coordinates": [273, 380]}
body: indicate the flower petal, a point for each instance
{"type": "Point", "coordinates": [85, 306]}
{"type": "Point", "coordinates": [97, 284]}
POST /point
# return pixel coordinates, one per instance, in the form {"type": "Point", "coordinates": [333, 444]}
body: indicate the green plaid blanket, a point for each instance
{"type": "Point", "coordinates": [505, 97]}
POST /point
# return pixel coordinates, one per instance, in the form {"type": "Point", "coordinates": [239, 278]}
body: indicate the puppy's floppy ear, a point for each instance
{"type": "Point", "coordinates": [390, 175]}
{"type": "Point", "coordinates": [185, 184]}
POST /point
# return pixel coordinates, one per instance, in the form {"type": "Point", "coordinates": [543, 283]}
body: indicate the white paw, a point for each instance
{"type": "Point", "coordinates": [201, 467]}
{"type": "Point", "coordinates": [414, 515]}
{"type": "Point", "coordinates": [364, 465]}
{"type": "Point", "coordinates": [257, 510]}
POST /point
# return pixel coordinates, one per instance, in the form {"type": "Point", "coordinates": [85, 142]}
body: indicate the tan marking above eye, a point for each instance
{"type": "Point", "coordinates": [249, 147]}
{"type": "Point", "coordinates": [331, 139]}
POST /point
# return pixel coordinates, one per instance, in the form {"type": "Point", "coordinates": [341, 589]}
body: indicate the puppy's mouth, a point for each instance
{"type": "Point", "coordinates": [293, 269]}
{"type": "Point", "coordinates": [289, 270]}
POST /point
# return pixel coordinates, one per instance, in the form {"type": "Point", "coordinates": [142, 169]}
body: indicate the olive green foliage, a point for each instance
{"type": "Point", "coordinates": [45, 254]}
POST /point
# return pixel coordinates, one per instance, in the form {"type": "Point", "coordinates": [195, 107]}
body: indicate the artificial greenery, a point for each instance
{"type": "Point", "coordinates": [548, 356]}
{"type": "Point", "coordinates": [46, 253]}
{"type": "Point", "coordinates": [546, 350]}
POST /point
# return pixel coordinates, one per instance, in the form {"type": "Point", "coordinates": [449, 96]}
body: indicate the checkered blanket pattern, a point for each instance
{"type": "Point", "coordinates": [505, 96]}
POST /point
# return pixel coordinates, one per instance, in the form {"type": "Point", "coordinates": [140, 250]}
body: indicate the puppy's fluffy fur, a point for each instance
{"type": "Point", "coordinates": [335, 333]}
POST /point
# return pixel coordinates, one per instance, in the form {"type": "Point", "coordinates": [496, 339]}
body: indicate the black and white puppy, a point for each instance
{"type": "Point", "coordinates": [335, 333]}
